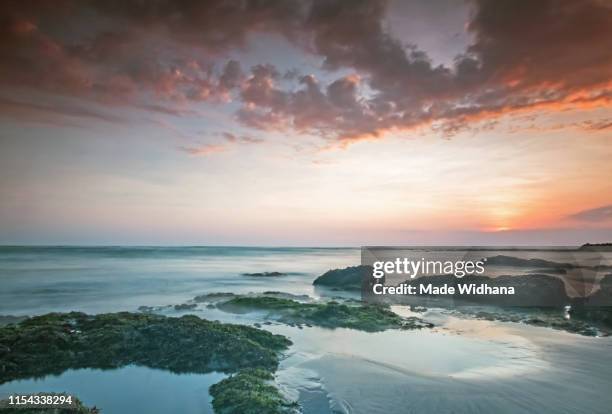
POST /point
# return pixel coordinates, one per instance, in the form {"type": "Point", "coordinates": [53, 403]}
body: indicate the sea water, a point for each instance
{"type": "Point", "coordinates": [459, 366]}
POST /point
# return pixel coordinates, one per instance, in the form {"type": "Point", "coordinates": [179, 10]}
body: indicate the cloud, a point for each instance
{"type": "Point", "coordinates": [595, 215]}
{"type": "Point", "coordinates": [242, 139]}
{"type": "Point", "coordinates": [167, 110]}
{"type": "Point", "coordinates": [204, 150]}
{"type": "Point", "coordinates": [59, 114]}
{"type": "Point", "coordinates": [525, 56]}
{"type": "Point", "coordinates": [601, 125]}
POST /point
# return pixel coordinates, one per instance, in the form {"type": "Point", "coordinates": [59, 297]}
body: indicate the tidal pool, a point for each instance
{"type": "Point", "coordinates": [130, 389]}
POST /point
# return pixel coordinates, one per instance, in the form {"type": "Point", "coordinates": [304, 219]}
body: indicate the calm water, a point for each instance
{"type": "Point", "coordinates": [127, 390]}
{"type": "Point", "coordinates": [460, 366]}
{"type": "Point", "coordinates": [37, 280]}
{"type": "Point", "coordinates": [40, 280]}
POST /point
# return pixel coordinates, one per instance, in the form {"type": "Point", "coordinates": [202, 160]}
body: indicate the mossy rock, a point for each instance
{"type": "Point", "coordinates": [349, 278]}
{"type": "Point", "coordinates": [250, 391]}
{"type": "Point", "coordinates": [56, 342]}
{"type": "Point", "coordinates": [249, 303]}
{"type": "Point", "coordinates": [370, 318]}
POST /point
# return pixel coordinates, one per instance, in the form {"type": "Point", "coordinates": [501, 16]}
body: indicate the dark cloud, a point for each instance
{"type": "Point", "coordinates": [525, 55]}
{"type": "Point", "coordinates": [595, 215]}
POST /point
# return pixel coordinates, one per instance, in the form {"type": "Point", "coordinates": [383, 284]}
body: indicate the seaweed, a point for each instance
{"type": "Point", "coordinates": [53, 343]}
{"type": "Point", "coordinates": [364, 317]}
{"type": "Point", "coordinates": [250, 391]}
{"type": "Point", "coordinates": [349, 278]}
{"type": "Point", "coordinates": [185, 306]}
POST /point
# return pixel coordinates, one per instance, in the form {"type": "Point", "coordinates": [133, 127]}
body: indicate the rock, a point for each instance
{"type": "Point", "coordinates": [265, 274]}
{"type": "Point", "coordinates": [185, 306]}
{"type": "Point", "coordinates": [40, 346]}
{"type": "Point", "coordinates": [603, 296]}
{"type": "Point", "coordinates": [250, 391]}
{"type": "Point", "coordinates": [153, 309]}
{"type": "Point", "coordinates": [605, 247]}
{"type": "Point", "coordinates": [364, 317]}
{"type": "Point", "coordinates": [213, 297]}
{"type": "Point", "coordinates": [4, 350]}
{"type": "Point", "coordinates": [285, 295]}
{"type": "Point", "coordinates": [349, 278]}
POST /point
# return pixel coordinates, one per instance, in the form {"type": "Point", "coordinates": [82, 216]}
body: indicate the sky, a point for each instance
{"type": "Point", "coordinates": [310, 122]}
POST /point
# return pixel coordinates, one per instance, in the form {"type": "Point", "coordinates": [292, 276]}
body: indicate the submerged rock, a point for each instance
{"type": "Point", "coordinates": [53, 343]}
{"type": "Point", "coordinates": [250, 391]}
{"type": "Point", "coordinates": [370, 318]}
{"type": "Point", "coordinates": [265, 274]}
{"type": "Point", "coordinates": [213, 297]}
{"type": "Point", "coordinates": [153, 309]}
{"type": "Point", "coordinates": [185, 306]}
{"type": "Point", "coordinates": [285, 295]}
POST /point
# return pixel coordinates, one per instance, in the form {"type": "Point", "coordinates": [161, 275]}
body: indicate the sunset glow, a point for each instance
{"type": "Point", "coordinates": [306, 123]}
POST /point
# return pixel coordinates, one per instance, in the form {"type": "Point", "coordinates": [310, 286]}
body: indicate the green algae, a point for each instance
{"type": "Point", "coordinates": [248, 303]}
{"type": "Point", "coordinates": [56, 342]}
{"type": "Point", "coordinates": [250, 391]}
{"type": "Point", "coordinates": [213, 297]}
{"type": "Point", "coordinates": [364, 317]}
{"type": "Point", "coordinates": [349, 278]}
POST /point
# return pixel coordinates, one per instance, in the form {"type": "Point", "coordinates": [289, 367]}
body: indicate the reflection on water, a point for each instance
{"type": "Point", "coordinates": [465, 366]}
{"type": "Point", "coordinates": [130, 389]}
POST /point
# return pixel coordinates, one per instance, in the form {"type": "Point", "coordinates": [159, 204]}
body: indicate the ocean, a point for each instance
{"type": "Point", "coordinates": [462, 365]}
{"type": "Point", "coordinates": [37, 280]}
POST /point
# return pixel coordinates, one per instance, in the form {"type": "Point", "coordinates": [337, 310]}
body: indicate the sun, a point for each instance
{"type": "Point", "coordinates": [502, 229]}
